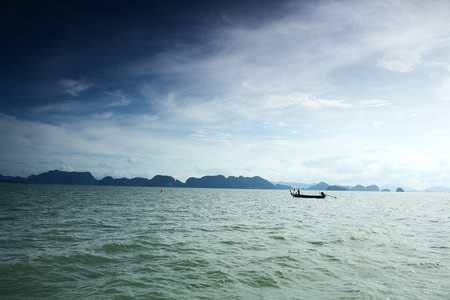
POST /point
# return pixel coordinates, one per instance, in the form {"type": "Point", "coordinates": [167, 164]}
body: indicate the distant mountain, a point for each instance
{"type": "Point", "coordinates": [322, 186]}
{"type": "Point", "coordinates": [232, 182]}
{"type": "Point", "coordinates": [372, 188]}
{"type": "Point", "coordinates": [61, 177]}
{"type": "Point", "coordinates": [361, 188]}
{"type": "Point", "coordinates": [438, 189]}
{"type": "Point", "coordinates": [393, 187]}
{"type": "Point", "coordinates": [86, 178]}
{"type": "Point", "coordinates": [358, 188]}
{"type": "Point", "coordinates": [336, 188]}
{"type": "Point", "coordinates": [11, 179]}
{"type": "Point", "coordinates": [215, 181]}
{"type": "Point", "coordinates": [296, 185]}
{"type": "Point", "coordinates": [218, 181]}
{"type": "Point", "coordinates": [157, 181]}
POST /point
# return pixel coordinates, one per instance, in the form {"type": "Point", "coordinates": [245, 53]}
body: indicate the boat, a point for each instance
{"type": "Point", "coordinates": [299, 195]}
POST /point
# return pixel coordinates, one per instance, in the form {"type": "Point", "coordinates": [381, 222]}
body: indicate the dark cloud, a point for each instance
{"type": "Point", "coordinates": [49, 44]}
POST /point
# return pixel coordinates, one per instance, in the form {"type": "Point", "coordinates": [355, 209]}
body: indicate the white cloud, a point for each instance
{"type": "Point", "coordinates": [122, 100]}
{"type": "Point", "coordinates": [296, 57]}
{"type": "Point", "coordinates": [377, 124]}
{"type": "Point", "coordinates": [80, 105]}
{"type": "Point", "coordinates": [246, 84]}
{"type": "Point", "coordinates": [74, 87]}
{"type": "Point", "coordinates": [64, 106]}
{"type": "Point", "coordinates": [114, 149]}
{"type": "Point", "coordinates": [401, 64]}
{"type": "Point", "coordinates": [373, 103]}
{"type": "Point", "coordinates": [406, 52]}
{"type": "Point", "coordinates": [132, 160]}
{"type": "Point", "coordinates": [443, 91]}
{"type": "Point", "coordinates": [68, 169]}
{"type": "Point", "coordinates": [106, 115]}
{"type": "Point", "coordinates": [302, 100]}
{"type": "Point", "coordinates": [323, 79]}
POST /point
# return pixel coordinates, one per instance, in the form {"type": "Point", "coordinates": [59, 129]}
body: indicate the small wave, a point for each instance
{"type": "Point", "coordinates": [203, 229]}
{"type": "Point", "coordinates": [439, 247]}
{"type": "Point", "coordinates": [85, 258]}
{"type": "Point", "coordinates": [330, 257]}
{"type": "Point", "coordinates": [230, 242]}
{"type": "Point", "coordinates": [331, 242]}
{"type": "Point", "coordinates": [284, 261]}
{"type": "Point", "coordinates": [107, 226]}
{"type": "Point", "coordinates": [257, 279]}
{"type": "Point", "coordinates": [238, 227]}
{"type": "Point", "coordinates": [427, 265]}
{"type": "Point", "coordinates": [278, 237]}
{"type": "Point", "coordinates": [8, 218]}
{"type": "Point", "coordinates": [317, 243]}
{"type": "Point", "coordinates": [217, 274]}
{"type": "Point", "coordinates": [131, 248]}
{"type": "Point", "coordinates": [119, 247]}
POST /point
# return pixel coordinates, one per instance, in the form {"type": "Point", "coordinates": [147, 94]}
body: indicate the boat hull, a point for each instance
{"type": "Point", "coordinates": [297, 195]}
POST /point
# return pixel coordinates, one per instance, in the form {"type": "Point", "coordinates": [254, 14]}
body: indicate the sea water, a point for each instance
{"type": "Point", "coordinates": [92, 242]}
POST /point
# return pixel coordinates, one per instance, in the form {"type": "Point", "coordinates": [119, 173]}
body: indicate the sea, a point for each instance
{"type": "Point", "coordinates": [97, 242]}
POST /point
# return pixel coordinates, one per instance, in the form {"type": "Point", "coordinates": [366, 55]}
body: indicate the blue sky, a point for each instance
{"type": "Point", "coordinates": [346, 92]}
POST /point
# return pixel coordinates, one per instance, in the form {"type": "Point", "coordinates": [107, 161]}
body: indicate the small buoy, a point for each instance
{"type": "Point", "coordinates": [161, 191]}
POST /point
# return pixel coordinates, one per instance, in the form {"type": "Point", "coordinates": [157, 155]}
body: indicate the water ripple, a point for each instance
{"type": "Point", "coordinates": [136, 243]}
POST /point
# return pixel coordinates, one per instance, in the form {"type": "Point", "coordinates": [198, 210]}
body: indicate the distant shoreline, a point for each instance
{"type": "Point", "coordinates": [210, 181]}
{"type": "Point", "coordinates": [86, 178]}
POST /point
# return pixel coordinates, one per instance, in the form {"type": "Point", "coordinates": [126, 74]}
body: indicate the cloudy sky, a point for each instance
{"type": "Point", "coordinates": [346, 92]}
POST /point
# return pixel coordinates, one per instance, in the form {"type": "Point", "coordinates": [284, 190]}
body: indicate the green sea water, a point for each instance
{"type": "Point", "coordinates": [92, 242]}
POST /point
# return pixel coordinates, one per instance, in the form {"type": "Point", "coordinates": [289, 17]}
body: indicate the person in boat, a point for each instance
{"type": "Point", "coordinates": [298, 192]}
{"type": "Point", "coordinates": [322, 193]}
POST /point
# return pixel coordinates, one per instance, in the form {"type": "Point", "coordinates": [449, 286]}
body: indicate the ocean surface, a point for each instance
{"type": "Point", "coordinates": [93, 242]}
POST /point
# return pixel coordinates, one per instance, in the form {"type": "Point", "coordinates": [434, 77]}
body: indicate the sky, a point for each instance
{"type": "Point", "coordinates": [346, 92]}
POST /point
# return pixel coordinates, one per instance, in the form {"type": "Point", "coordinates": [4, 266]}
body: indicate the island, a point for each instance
{"type": "Point", "coordinates": [209, 181]}
{"type": "Point", "coordinates": [86, 178]}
